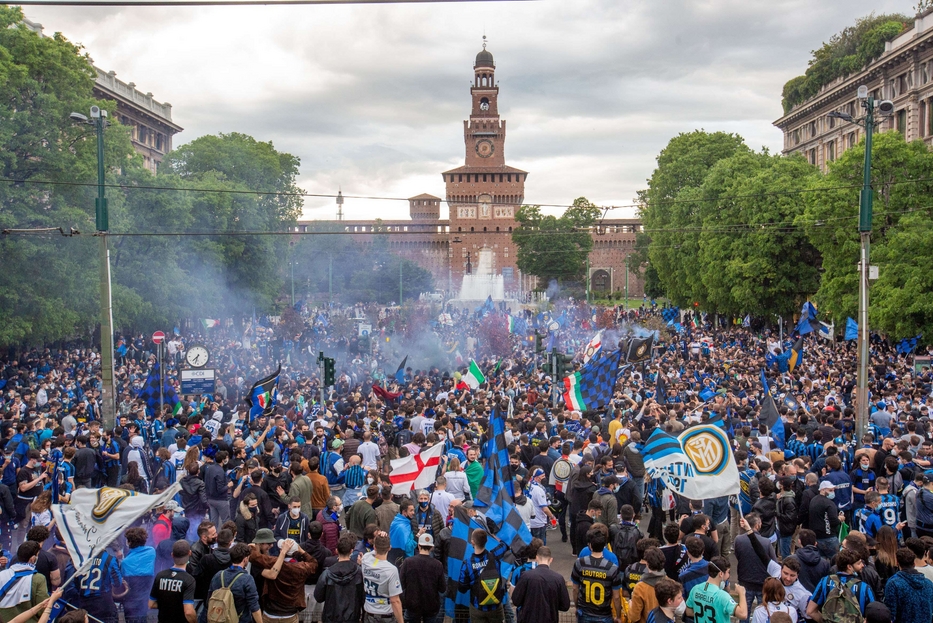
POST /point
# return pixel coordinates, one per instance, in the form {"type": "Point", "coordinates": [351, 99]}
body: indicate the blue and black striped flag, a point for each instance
{"type": "Point", "coordinates": [264, 396]}
{"type": "Point", "coordinates": [150, 392]}
{"type": "Point", "coordinates": [770, 416]}
{"type": "Point", "coordinates": [495, 499]}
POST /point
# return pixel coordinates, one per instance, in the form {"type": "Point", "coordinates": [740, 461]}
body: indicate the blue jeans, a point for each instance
{"type": "Point", "coordinates": [350, 496]}
{"type": "Point", "coordinates": [828, 547]}
{"type": "Point", "coordinates": [582, 617]}
{"type": "Point", "coordinates": [750, 597]}
{"type": "Point", "coordinates": [411, 617]}
{"type": "Point", "coordinates": [785, 543]}
{"type": "Point", "coordinates": [540, 533]}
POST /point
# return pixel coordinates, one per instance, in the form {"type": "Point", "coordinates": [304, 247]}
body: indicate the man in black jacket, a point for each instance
{"type": "Point", "coordinates": [585, 521]}
{"type": "Point", "coordinates": [215, 485]}
{"type": "Point", "coordinates": [340, 587]}
{"type": "Point", "coordinates": [824, 519]}
{"type": "Point", "coordinates": [423, 580]}
{"type": "Point", "coordinates": [813, 567]}
{"type": "Point", "coordinates": [541, 593]}
{"type": "Point", "coordinates": [752, 571]}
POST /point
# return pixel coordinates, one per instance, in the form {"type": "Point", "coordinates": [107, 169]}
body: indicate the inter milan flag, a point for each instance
{"type": "Point", "coordinates": [400, 373]}
{"type": "Point", "coordinates": [796, 354]}
{"type": "Point", "coordinates": [264, 395]}
{"type": "Point", "coordinates": [660, 390]}
{"type": "Point", "coordinates": [770, 416]}
{"type": "Point", "coordinates": [150, 392]}
{"type": "Point", "coordinates": [698, 464]}
{"type": "Point", "coordinates": [495, 499]}
{"type": "Point", "coordinates": [591, 387]}
{"type": "Point", "coordinates": [639, 349]}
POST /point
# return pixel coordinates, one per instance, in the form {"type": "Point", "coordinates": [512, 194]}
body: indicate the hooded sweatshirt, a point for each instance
{"type": "Point", "coordinates": [193, 495]}
{"type": "Point", "coordinates": [813, 567]}
{"type": "Point", "coordinates": [909, 597]}
{"type": "Point", "coordinates": [644, 599]}
{"type": "Point", "coordinates": [340, 589]}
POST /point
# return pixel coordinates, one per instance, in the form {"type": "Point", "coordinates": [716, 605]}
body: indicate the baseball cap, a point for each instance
{"type": "Point", "coordinates": [426, 540]}
{"type": "Point", "coordinates": [264, 535]}
{"type": "Point", "coordinates": [172, 505]}
{"type": "Point", "coordinates": [827, 485]}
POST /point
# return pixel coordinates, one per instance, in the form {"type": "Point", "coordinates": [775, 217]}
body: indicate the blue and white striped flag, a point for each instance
{"type": "Point", "coordinates": [698, 464]}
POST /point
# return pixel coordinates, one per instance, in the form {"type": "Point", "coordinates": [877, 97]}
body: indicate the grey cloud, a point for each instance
{"type": "Point", "coordinates": [372, 98]}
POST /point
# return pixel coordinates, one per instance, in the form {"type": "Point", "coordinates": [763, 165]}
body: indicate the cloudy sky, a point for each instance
{"type": "Point", "coordinates": [372, 98]}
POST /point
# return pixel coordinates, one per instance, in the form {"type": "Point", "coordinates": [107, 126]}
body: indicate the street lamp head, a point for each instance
{"type": "Point", "coordinates": [76, 116]}
{"type": "Point", "coordinates": [863, 92]}
{"type": "Point", "coordinates": [840, 115]}
{"type": "Point", "coordinates": [95, 112]}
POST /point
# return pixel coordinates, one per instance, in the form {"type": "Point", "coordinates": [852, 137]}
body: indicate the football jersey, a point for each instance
{"type": "Point", "coordinates": [597, 579]}
{"type": "Point", "coordinates": [710, 604]}
{"type": "Point", "coordinates": [890, 509]}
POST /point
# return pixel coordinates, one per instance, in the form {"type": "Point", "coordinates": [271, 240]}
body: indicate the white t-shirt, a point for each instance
{"type": "Point", "coordinates": [763, 613]}
{"type": "Point", "coordinates": [441, 501]}
{"type": "Point", "coordinates": [370, 453]}
{"type": "Point", "coordinates": [538, 499]}
{"type": "Point", "coordinates": [796, 596]}
{"type": "Point", "coordinates": [380, 581]}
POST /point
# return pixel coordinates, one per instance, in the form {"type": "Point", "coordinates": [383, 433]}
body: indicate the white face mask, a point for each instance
{"type": "Point", "coordinates": [681, 609]}
{"type": "Point", "coordinates": [294, 512]}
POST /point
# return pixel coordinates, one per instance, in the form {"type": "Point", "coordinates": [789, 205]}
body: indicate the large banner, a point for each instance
{"type": "Point", "coordinates": [698, 464]}
{"type": "Point", "coordinates": [96, 517]}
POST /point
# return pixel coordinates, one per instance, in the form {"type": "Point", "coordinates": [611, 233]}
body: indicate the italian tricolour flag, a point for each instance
{"type": "Point", "coordinates": [572, 396]}
{"type": "Point", "coordinates": [474, 376]}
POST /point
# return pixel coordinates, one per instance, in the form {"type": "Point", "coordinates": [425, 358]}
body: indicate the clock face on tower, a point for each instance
{"type": "Point", "coordinates": [485, 148]}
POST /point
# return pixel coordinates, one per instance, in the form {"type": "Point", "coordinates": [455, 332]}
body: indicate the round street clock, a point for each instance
{"type": "Point", "coordinates": [197, 356]}
{"type": "Point", "coordinates": [485, 148]}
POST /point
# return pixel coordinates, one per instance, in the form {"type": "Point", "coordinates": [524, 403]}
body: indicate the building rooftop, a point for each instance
{"type": "Point", "coordinates": [107, 81]}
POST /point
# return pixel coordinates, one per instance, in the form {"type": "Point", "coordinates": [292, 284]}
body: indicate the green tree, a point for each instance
{"type": "Point", "coordinates": [845, 53]}
{"type": "Point", "coordinates": [379, 280]}
{"type": "Point", "coordinates": [671, 209]}
{"type": "Point", "coordinates": [555, 247]}
{"type": "Point", "coordinates": [48, 285]}
{"type": "Point", "coordinates": [751, 258]}
{"type": "Point", "coordinates": [901, 302]}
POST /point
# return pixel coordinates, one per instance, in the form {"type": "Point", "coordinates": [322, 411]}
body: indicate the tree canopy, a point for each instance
{"type": "Point", "coordinates": [845, 53]}
{"type": "Point", "coordinates": [555, 247]}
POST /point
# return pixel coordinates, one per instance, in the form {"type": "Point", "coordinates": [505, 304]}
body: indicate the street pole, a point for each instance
{"type": "Point", "coordinates": [587, 279]}
{"type": "Point", "coordinates": [161, 380]}
{"type": "Point", "coordinates": [626, 286]}
{"type": "Point", "coordinates": [107, 392]}
{"type": "Point", "coordinates": [330, 277]}
{"type": "Point", "coordinates": [864, 228]}
{"type": "Point", "coordinates": [399, 281]}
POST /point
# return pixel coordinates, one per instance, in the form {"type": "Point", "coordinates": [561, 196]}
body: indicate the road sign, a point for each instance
{"type": "Point", "coordinates": [158, 337]}
{"type": "Point", "coordinates": [365, 329]}
{"type": "Point", "coordinates": [197, 382]}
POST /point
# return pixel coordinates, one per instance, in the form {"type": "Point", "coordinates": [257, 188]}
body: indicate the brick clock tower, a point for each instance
{"type": "Point", "coordinates": [484, 194]}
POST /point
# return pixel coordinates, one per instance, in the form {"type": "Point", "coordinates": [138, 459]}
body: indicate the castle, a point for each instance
{"type": "Point", "coordinates": [482, 197]}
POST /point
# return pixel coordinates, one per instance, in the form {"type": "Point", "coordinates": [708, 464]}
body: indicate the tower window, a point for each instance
{"type": "Point", "coordinates": [510, 177]}
{"type": "Point", "coordinates": [461, 177]}
{"type": "Point", "coordinates": [484, 177]}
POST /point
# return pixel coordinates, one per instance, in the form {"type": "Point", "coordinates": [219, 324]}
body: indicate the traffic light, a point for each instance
{"type": "Point", "coordinates": [539, 342]}
{"type": "Point", "coordinates": [561, 364]}
{"type": "Point", "coordinates": [329, 376]}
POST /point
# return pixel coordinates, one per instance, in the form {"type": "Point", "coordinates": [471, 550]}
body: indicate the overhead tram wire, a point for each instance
{"type": "Point", "coordinates": [493, 203]}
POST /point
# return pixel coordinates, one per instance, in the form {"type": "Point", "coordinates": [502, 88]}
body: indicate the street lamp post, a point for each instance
{"type": "Point", "coordinates": [885, 108]}
{"type": "Point", "coordinates": [102, 217]}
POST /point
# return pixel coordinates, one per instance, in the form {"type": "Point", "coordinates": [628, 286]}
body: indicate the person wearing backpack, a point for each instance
{"type": "Point", "coordinates": [481, 576]}
{"type": "Point", "coordinates": [841, 597]}
{"type": "Point", "coordinates": [232, 596]}
{"type": "Point", "coordinates": [625, 544]}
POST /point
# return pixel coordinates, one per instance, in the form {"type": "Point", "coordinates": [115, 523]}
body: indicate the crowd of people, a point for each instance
{"type": "Point", "coordinates": [292, 516]}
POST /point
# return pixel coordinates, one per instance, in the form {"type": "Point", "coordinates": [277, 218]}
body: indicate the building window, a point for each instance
{"type": "Point", "coordinates": [853, 139]}
{"type": "Point", "coordinates": [830, 151]}
{"type": "Point", "coordinates": [507, 274]}
{"type": "Point", "coordinates": [924, 73]}
{"type": "Point", "coordinates": [796, 136]}
{"type": "Point", "coordinates": [811, 156]}
{"type": "Point", "coordinates": [902, 122]}
{"type": "Point", "coordinates": [813, 129]}
{"type": "Point", "coordinates": [832, 122]}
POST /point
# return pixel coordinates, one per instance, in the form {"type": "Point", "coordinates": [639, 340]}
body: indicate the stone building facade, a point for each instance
{"type": "Point", "coordinates": [482, 197]}
{"type": "Point", "coordinates": [902, 74]}
{"type": "Point", "coordinates": [149, 121]}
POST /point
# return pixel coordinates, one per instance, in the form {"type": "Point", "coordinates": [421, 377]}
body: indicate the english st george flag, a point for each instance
{"type": "Point", "coordinates": [416, 471]}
